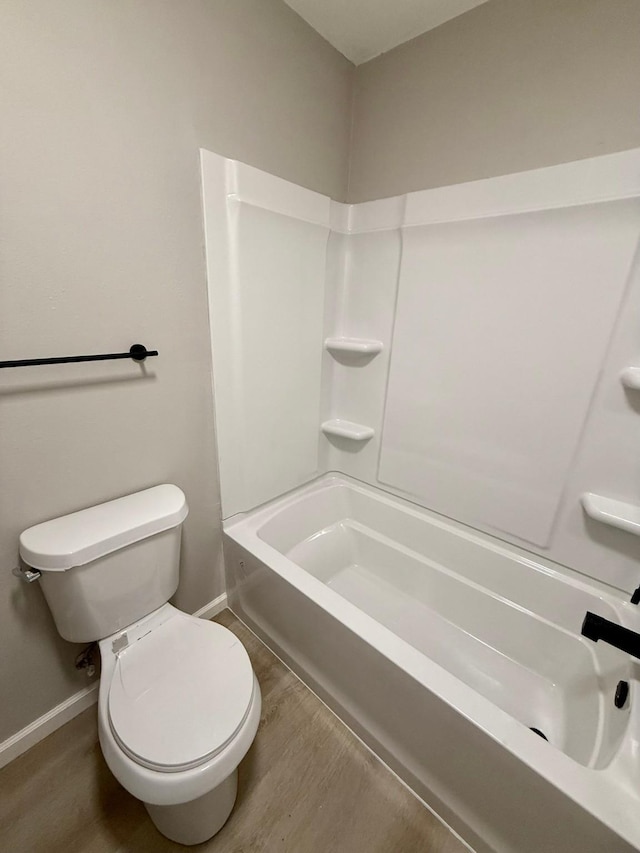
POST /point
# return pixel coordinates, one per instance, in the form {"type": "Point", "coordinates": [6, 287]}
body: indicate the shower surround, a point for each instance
{"type": "Point", "coordinates": [425, 412]}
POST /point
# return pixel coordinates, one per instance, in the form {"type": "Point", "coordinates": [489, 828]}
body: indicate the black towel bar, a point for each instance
{"type": "Point", "coordinates": [138, 352]}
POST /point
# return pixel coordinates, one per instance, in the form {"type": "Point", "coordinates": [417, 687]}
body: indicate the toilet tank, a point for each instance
{"type": "Point", "coordinates": [105, 567]}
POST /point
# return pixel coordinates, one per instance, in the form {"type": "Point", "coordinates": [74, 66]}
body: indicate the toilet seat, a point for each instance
{"type": "Point", "coordinates": [179, 694]}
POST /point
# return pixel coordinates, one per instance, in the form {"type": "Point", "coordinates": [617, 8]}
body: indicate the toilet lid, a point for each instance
{"type": "Point", "coordinates": [179, 694]}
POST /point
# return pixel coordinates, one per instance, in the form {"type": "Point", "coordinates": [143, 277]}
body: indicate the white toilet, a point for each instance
{"type": "Point", "coordinates": [179, 704]}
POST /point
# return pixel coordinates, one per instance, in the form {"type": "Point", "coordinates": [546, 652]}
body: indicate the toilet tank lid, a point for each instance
{"type": "Point", "coordinates": [78, 538]}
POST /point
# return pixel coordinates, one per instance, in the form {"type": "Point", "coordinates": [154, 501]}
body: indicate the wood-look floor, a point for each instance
{"type": "Point", "coordinates": [307, 785]}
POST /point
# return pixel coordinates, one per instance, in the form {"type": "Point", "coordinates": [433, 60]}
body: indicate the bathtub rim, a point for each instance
{"type": "Point", "coordinates": [598, 790]}
{"type": "Point", "coordinates": [259, 515]}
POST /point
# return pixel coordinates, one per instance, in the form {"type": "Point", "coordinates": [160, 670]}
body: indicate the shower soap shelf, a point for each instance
{"type": "Point", "coordinates": [630, 377]}
{"type": "Point", "coordinates": [615, 513]}
{"type": "Point", "coordinates": [353, 346]}
{"type": "Point", "coordinates": [347, 429]}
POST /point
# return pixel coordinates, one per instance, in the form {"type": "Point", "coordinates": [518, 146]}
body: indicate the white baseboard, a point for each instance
{"type": "Point", "coordinates": [213, 607]}
{"type": "Point", "coordinates": [47, 724]}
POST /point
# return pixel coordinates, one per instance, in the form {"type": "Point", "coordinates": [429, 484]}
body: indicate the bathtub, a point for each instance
{"type": "Point", "coordinates": [443, 649]}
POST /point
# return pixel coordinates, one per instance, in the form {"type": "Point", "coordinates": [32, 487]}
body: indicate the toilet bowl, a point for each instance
{"type": "Point", "coordinates": [178, 708]}
{"type": "Point", "coordinates": [179, 703]}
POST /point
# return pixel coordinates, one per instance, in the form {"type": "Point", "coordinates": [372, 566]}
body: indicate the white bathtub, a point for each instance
{"type": "Point", "coordinates": [442, 647]}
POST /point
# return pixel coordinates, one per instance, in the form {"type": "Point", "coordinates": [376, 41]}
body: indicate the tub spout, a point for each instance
{"type": "Point", "coordinates": [598, 628]}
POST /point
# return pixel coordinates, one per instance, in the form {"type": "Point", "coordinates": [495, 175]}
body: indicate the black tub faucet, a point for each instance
{"type": "Point", "coordinates": [598, 628]}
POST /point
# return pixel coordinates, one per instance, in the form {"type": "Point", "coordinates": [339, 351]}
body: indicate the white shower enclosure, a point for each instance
{"type": "Point", "coordinates": [467, 357]}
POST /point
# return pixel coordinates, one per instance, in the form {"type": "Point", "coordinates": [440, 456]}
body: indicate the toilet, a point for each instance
{"type": "Point", "coordinates": [179, 703]}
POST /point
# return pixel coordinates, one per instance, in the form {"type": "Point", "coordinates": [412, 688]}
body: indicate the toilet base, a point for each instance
{"type": "Point", "coordinates": [196, 821]}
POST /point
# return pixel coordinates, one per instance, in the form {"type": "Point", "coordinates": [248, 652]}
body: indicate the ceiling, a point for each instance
{"type": "Point", "coordinates": [362, 29]}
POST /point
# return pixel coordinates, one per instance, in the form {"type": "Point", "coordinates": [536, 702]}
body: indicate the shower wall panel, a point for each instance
{"type": "Point", "coordinates": [266, 256]}
{"type": "Point", "coordinates": [501, 329]}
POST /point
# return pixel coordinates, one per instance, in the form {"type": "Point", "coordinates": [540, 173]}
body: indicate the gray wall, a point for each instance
{"type": "Point", "coordinates": [103, 107]}
{"type": "Point", "coordinates": [509, 86]}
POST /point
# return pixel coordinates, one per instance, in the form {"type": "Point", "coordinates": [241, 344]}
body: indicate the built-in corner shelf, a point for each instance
{"type": "Point", "coordinates": [353, 346]}
{"type": "Point", "coordinates": [347, 429]}
{"type": "Point", "coordinates": [630, 377]}
{"type": "Point", "coordinates": [612, 512]}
